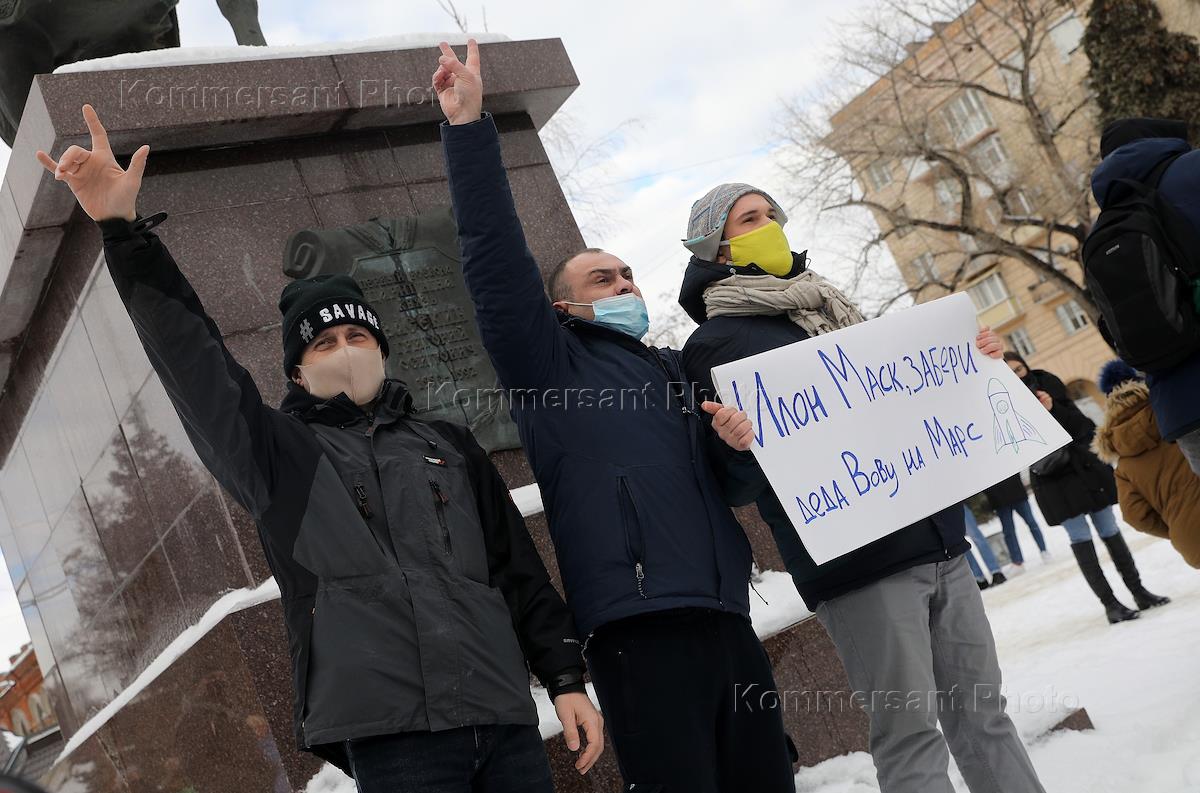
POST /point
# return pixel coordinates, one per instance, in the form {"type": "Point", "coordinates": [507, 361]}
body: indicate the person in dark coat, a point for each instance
{"type": "Point", "coordinates": [1009, 496]}
{"type": "Point", "coordinates": [902, 610]}
{"type": "Point", "coordinates": [414, 599]}
{"type": "Point", "coordinates": [655, 565]}
{"type": "Point", "coordinates": [1132, 148]}
{"type": "Point", "coordinates": [1073, 486]}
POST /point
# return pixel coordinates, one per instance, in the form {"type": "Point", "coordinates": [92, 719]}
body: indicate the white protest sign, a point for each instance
{"type": "Point", "coordinates": [873, 427]}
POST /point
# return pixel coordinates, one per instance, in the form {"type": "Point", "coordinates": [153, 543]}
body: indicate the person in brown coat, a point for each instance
{"type": "Point", "coordinates": [1157, 489]}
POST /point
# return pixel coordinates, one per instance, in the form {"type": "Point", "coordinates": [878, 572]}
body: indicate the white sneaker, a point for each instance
{"type": "Point", "coordinates": [1014, 570]}
{"type": "Point", "coordinates": [1047, 557]}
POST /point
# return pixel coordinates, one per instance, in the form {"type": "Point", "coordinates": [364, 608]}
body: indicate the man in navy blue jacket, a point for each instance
{"type": "Point", "coordinates": [654, 564]}
{"type": "Point", "coordinates": [1132, 148]}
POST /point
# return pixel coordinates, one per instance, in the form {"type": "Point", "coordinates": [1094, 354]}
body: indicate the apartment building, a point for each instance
{"type": "Point", "coordinates": [941, 115]}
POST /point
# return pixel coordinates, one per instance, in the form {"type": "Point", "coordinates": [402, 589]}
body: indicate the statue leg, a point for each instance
{"type": "Point", "coordinates": [243, 18]}
{"type": "Point", "coordinates": [24, 52]}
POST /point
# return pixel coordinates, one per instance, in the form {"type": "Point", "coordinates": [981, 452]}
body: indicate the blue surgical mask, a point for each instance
{"type": "Point", "coordinates": [626, 313]}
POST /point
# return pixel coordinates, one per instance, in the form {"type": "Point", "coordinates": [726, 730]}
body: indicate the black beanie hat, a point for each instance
{"type": "Point", "coordinates": [1127, 130]}
{"type": "Point", "coordinates": [310, 305]}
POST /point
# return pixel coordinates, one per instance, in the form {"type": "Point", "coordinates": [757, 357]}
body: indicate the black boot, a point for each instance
{"type": "Point", "coordinates": [1123, 559]}
{"type": "Point", "coordinates": [998, 578]}
{"type": "Point", "coordinates": [1089, 565]}
{"type": "Point", "coordinates": [983, 584]}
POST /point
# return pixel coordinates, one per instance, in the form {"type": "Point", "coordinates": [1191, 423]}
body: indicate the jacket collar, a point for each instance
{"type": "Point", "coordinates": [394, 402]}
{"type": "Point", "coordinates": [700, 273]}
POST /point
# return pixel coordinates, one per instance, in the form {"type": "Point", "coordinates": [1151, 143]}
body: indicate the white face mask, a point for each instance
{"type": "Point", "coordinates": [356, 372]}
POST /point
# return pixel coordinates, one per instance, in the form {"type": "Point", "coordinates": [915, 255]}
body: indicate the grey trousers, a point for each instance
{"type": "Point", "coordinates": [918, 649]}
{"type": "Point", "coordinates": [1190, 446]}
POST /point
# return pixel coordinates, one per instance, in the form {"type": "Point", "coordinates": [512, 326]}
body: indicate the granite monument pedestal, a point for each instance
{"type": "Point", "coordinates": [117, 540]}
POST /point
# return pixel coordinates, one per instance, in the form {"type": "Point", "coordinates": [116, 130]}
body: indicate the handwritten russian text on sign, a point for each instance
{"type": "Point", "coordinates": [866, 430]}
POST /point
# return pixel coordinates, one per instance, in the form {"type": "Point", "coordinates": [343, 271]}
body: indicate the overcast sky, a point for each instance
{"type": "Point", "coordinates": [702, 78]}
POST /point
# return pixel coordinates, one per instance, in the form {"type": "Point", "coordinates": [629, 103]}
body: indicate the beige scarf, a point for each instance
{"type": "Point", "coordinates": [810, 301]}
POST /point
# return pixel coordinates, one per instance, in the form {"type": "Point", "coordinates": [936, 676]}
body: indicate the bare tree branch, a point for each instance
{"type": "Point", "coordinates": [892, 147]}
{"type": "Point", "coordinates": [460, 20]}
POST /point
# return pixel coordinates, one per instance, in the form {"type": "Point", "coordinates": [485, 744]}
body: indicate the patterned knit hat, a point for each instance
{"type": "Point", "coordinates": [707, 219]}
{"type": "Point", "coordinates": [310, 305]}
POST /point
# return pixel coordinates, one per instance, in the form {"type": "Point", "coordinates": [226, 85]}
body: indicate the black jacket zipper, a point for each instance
{"type": "Point", "coordinates": [364, 509]}
{"type": "Point", "coordinates": [440, 501]}
{"type": "Point", "coordinates": [633, 542]}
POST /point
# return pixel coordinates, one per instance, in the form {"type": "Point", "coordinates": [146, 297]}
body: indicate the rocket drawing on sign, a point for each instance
{"type": "Point", "coordinates": [1009, 427]}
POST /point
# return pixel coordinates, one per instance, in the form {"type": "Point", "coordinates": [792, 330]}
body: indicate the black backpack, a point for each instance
{"type": "Point", "coordinates": [1140, 262]}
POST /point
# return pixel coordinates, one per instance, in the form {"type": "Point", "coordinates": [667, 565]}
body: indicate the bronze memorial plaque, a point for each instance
{"type": "Point", "coordinates": [409, 270]}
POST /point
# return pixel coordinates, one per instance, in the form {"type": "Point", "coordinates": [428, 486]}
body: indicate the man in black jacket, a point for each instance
{"type": "Point", "coordinates": [904, 611]}
{"type": "Point", "coordinates": [656, 568]}
{"type": "Point", "coordinates": [411, 590]}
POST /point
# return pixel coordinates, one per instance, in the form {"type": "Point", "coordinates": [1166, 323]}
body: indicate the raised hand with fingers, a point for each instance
{"type": "Point", "coordinates": [459, 87]}
{"type": "Point", "coordinates": [103, 189]}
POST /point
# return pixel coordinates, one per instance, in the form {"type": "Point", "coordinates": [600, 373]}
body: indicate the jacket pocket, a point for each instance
{"type": "Point", "coordinates": [486, 645]}
{"type": "Point", "coordinates": [455, 533]}
{"type": "Point", "coordinates": [334, 539]}
{"type": "Point", "coordinates": [635, 543]}
{"type": "Point", "coordinates": [365, 656]}
{"type": "Point", "coordinates": [440, 500]}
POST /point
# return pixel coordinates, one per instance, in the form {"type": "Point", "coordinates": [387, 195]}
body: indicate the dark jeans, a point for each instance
{"type": "Point", "coordinates": [490, 759]}
{"type": "Point", "coordinates": [690, 703]}
{"type": "Point", "coordinates": [1010, 529]}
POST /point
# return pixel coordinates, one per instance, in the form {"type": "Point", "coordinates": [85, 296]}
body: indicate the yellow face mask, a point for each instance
{"type": "Point", "coordinates": [767, 246]}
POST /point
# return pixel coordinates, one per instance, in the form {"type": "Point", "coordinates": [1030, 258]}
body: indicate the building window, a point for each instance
{"type": "Point", "coordinates": [966, 116]}
{"type": "Point", "coordinates": [916, 168]}
{"type": "Point", "coordinates": [925, 268]}
{"type": "Point", "coordinates": [40, 710]}
{"type": "Point", "coordinates": [1021, 342]}
{"type": "Point", "coordinates": [991, 157]}
{"type": "Point", "coordinates": [994, 214]}
{"type": "Point", "coordinates": [20, 722]}
{"type": "Point", "coordinates": [879, 174]}
{"type": "Point", "coordinates": [1012, 76]}
{"type": "Point", "coordinates": [947, 191]}
{"type": "Point", "coordinates": [989, 292]}
{"type": "Point", "coordinates": [1019, 204]}
{"type": "Point", "coordinates": [1067, 35]}
{"type": "Point", "coordinates": [1072, 317]}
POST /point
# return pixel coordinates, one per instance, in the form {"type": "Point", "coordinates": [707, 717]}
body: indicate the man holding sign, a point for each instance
{"type": "Point", "coordinates": [858, 448]}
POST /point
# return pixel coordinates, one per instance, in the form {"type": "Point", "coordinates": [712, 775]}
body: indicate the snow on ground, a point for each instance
{"type": "Point", "coordinates": [528, 499]}
{"type": "Point", "coordinates": [1137, 680]}
{"type": "Point", "coordinates": [330, 780]}
{"type": "Point", "coordinates": [775, 604]}
{"type": "Point", "coordinates": [180, 56]}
